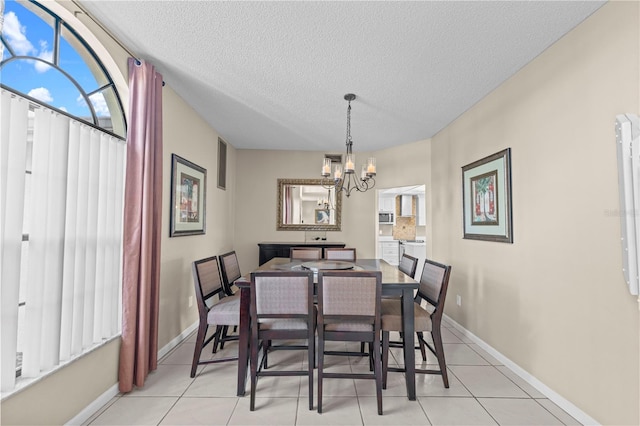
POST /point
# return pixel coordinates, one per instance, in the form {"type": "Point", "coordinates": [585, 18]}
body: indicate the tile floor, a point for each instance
{"type": "Point", "coordinates": [481, 392]}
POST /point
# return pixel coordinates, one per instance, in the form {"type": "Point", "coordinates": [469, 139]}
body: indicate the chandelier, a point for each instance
{"type": "Point", "coordinates": [347, 180]}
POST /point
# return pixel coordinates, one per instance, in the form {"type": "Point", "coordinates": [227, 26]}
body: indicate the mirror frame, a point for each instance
{"type": "Point", "coordinates": [305, 227]}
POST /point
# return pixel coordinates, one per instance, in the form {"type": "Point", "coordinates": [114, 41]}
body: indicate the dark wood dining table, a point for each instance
{"type": "Point", "coordinates": [394, 283]}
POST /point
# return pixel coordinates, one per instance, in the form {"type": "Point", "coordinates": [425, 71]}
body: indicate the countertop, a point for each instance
{"type": "Point", "coordinates": [382, 238]}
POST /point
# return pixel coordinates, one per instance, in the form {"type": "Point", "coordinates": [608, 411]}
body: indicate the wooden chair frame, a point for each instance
{"type": "Point", "coordinates": [411, 268]}
{"type": "Point", "coordinates": [206, 291]}
{"type": "Point", "coordinates": [437, 301]}
{"type": "Point", "coordinates": [345, 335]}
{"type": "Point", "coordinates": [261, 338]}
{"type": "Point", "coordinates": [295, 252]}
{"type": "Point", "coordinates": [340, 251]}
{"type": "Point", "coordinates": [230, 270]}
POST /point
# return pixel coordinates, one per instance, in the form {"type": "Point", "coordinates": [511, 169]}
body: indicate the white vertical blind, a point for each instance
{"type": "Point", "coordinates": [13, 132]}
{"type": "Point", "coordinates": [74, 211]}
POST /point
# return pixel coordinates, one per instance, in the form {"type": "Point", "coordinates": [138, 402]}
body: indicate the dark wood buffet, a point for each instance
{"type": "Point", "coordinates": [282, 249]}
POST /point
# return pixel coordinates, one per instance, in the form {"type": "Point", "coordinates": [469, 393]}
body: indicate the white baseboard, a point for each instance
{"type": "Point", "coordinates": [176, 341]}
{"type": "Point", "coordinates": [103, 399]}
{"type": "Point", "coordinates": [93, 408]}
{"type": "Point", "coordinates": [561, 402]}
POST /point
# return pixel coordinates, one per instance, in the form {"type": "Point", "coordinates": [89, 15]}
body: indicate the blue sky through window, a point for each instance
{"type": "Point", "coordinates": [29, 35]}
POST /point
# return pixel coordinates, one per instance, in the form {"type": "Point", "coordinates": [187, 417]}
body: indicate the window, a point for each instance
{"type": "Point", "coordinates": [62, 185]}
{"type": "Point", "coordinates": [46, 60]}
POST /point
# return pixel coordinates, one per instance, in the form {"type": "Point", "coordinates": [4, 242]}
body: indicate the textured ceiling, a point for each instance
{"type": "Point", "coordinates": [272, 75]}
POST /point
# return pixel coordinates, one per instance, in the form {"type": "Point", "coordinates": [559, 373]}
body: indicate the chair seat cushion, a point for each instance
{"type": "Point", "coordinates": [283, 324]}
{"type": "Point", "coordinates": [391, 312]}
{"type": "Point", "coordinates": [226, 311]}
{"type": "Point", "coordinates": [348, 326]}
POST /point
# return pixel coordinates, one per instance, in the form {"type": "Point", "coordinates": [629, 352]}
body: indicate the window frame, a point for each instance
{"type": "Point", "coordinates": [38, 9]}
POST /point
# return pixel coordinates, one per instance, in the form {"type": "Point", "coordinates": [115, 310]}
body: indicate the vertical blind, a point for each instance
{"type": "Point", "coordinates": [61, 221]}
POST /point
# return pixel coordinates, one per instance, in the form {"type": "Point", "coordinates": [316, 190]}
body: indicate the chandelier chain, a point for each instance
{"type": "Point", "coordinates": [349, 142]}
{"type": "Point", "coordinates": [347, 179]}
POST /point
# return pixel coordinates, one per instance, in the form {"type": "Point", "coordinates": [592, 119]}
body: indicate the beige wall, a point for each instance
{"type": "Point", "coordinates": [259, 170]}
{"type": "Point", "coordinates": [188, 136]}
{"type": "Point", "coordinates": [554, 301]}
{"type": "Point", "coordinates": [257, 175]}
{"type": "Point", "coordinates": [61, 396]}
{"type": "Point", "coordinates": [185, 134]}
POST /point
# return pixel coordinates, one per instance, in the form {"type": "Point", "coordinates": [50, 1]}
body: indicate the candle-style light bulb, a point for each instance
{"type": "Point", "coordinates": [371, 166]}
{"type": "Point", "coordinates": [349, 165]}
{"type": "Point", "coordinates": [326, 168]}
{"type": "Point", "coordinates": [337, 172]}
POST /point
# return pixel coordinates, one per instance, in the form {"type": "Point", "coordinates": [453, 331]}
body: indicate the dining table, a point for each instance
{"type": "Point", "coordinates": [395, 283]}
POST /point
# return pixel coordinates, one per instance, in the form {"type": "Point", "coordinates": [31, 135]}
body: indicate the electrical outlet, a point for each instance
{"type": "Point", "coordinates": [458, 300]}
{"type": "Point", "coordinates": [190, 301]}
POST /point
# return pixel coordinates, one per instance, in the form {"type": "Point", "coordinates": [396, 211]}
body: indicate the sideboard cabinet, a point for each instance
{"type": "Point", "coordinates": [270, 250]}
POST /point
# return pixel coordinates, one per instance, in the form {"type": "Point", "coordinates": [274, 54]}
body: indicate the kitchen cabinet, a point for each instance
{"type": "Point", "coordinates": [389, 251]}
{"type": "Point", "coordinates": [387, 204]}
{"type": "Point", "coordinates": [422, 211]}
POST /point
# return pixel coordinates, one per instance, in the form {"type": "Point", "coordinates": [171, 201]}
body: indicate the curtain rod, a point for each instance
{"type": "Point", "coordinates": [109, 33]}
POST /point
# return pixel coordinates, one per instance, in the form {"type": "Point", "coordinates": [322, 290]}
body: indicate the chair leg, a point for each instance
{"type": "Point", "coordinates": [266, 344]}
{"type": "Point", "coordinates": [385, 357]}
{"type": "Point", "coordinates": [254, 373]}
{"type": "Point", "coordinates": [225, 330]}
{"type": "Point", "coordinates": [437, 344]}
{"type": "Point", "coordinates": [320, 369]}
{"type": "Point", "coordinates": [202, 334]}
{"type": "Point", "coordinates": [422, 345]}
{"type": "Point", "coordinates": [216, 340]}
{"type": "Point", "coordinates": [378, 372]}
{"type": "Point", "coordinates": [311, 354]}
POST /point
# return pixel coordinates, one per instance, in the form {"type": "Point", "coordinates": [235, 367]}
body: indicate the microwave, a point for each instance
{"type": "Point", "coordinates": [386, 218]}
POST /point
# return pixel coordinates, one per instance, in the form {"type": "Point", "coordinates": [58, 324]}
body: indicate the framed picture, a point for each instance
{"type": "Point", "coordinates": [188, 198]}
{"type": "Point", "coordinates": [486, 198]}
{"type": "Point", "coordinates": [322, 216]}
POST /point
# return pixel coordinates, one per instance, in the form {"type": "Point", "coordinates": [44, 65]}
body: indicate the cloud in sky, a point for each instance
{"type": "Point", "coordinates": [16, 34]}
{"type": "Point", "coordinates": [98, 102]}
{"type": "Point", "coordinates": [41, 94]}
{"type": "Point", "coordinates": [45, 54]}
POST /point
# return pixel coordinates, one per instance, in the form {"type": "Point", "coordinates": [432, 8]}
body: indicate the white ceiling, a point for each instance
{"type": "Point", "coordinates": [272, 75]}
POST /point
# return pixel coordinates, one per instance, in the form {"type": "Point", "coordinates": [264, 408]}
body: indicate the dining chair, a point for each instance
{"type": "Point", "coordinates": [432, 289]}
{"type": "Point", "coordinates": [214, 308]}
{"type": "Point", "coordinates": [306, 253]}
{"type": "Point", "coordinates": [230, 269]}
{"type": "Point", "coordinates": [281, 309]}
{"type": "Point", "coordinates": [340, 253]}
{"type": "Point", "coordinates": [349, 311]}
{"type": "Point", "coordinates": [408, 264]}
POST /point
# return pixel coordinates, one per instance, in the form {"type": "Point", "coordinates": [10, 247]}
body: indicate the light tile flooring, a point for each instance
{"type": "Point", "coordinates": [481, 392]}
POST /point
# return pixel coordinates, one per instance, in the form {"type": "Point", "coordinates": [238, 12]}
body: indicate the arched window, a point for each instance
{"type": "Point", "coordinates": [45, 59]}
{"type": "Point", "coordinates": [62, 156]}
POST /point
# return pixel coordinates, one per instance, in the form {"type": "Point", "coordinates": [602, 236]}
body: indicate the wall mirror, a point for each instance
{"type": "Point", "coordinates": [305, 205]}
